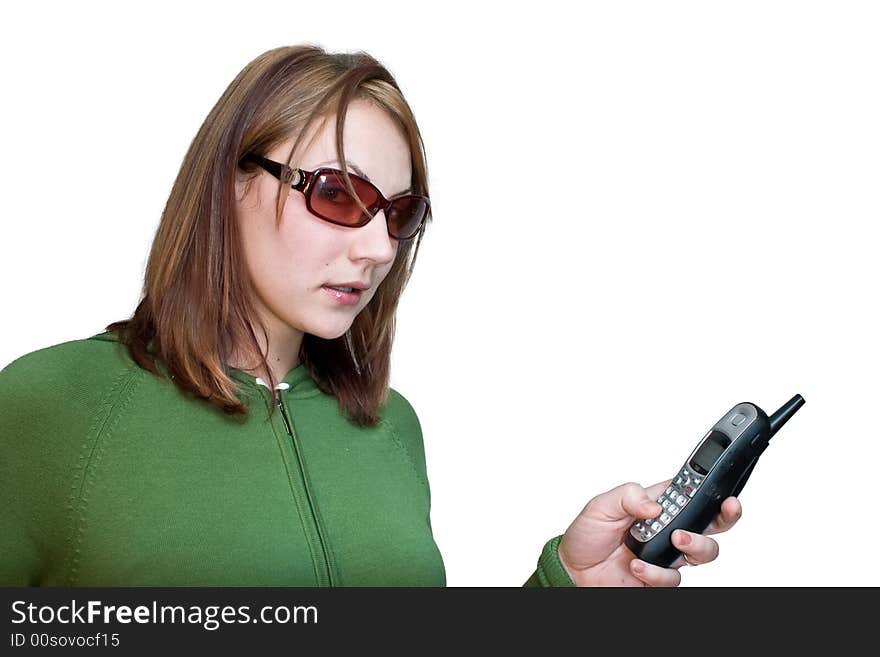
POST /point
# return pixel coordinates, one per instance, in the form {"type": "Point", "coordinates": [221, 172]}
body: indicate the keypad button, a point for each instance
{"type": "Point", "coordinates": [665, 503]}
{"type": "Point", "coordinates": [656, 526]}
{"type": "Point", "coordinates": [648, 534]}
{"type": "Point", "coordinates": [669, 490]}
{"type": "Point", "coordinates": [681, 500]}
{"type": "Point", "coordinates": [665, 518]}
{"type": "Point", "coordinates": [690, 490]}
{"type": "Point", "coordinates": [673, 509]}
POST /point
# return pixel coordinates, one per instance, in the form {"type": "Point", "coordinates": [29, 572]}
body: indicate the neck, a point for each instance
{"type": "Point", "coordinates": [282, 353]}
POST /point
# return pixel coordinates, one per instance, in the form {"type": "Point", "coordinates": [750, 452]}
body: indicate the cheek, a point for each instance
{"type": "Point", "coordinates": [293, 260]}
{"type": "Point", "coordinates": [306, 246]}
{"type": "Point", "coordinates": [385, 271]}
{"type": "Point", "coordinates": [268, 254]}
{"type": "Point", "coordinates": [288, 265]}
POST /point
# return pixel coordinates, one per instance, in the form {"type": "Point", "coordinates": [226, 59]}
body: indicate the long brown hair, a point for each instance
{"type": "Point", "coordinates": [197, 306]}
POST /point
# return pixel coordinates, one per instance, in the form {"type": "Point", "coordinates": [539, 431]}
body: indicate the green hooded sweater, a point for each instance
{"type": "Point", "coordinates": [112, 476]}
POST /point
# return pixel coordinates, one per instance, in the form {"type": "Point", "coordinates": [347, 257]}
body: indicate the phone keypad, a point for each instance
{"type": "Point", "coordinates": [676, 496]}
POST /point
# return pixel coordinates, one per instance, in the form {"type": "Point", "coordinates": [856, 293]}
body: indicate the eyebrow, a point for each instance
{"type": "Point", "coordinates": [354, 167]}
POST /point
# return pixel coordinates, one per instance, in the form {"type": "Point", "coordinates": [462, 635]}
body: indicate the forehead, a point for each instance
{"type": "Point", "coordinates": [373, 141]}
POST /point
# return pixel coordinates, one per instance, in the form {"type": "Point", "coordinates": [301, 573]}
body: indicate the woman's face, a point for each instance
{"type": "Point", "coordinates": [291, 265]}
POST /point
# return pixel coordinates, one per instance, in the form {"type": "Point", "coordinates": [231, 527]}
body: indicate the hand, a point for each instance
{"type": "Point", "coordinates": [593, 550]}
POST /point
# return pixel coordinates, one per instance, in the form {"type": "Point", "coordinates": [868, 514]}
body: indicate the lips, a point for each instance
{"type": "Point", "coordinates": [343, 297]}
{"type": "Point", "coordinates": [357, 285]}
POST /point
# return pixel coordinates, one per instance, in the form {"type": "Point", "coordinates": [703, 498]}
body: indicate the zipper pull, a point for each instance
{"type": "Point", "coordinates": [281, 386]}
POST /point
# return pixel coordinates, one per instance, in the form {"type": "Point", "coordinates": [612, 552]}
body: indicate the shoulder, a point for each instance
{"type": "Point", "coordinates": [62, 366]}
{"type": "Point", "coordinates": [62, 386]}
{"type": "Point", "coordinates": [399, 412]}
{"type": "Point", "coordinates": [58, 359]}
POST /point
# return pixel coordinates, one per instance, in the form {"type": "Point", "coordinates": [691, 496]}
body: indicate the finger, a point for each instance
{"type": "Point", "coordinates": [731, 511]}
{"type": "Point", "coordinates": [653, 575]}
{"type": "Point", "coordinates": [699, 549]}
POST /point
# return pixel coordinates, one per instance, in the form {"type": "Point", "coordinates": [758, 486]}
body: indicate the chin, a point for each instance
{"type": "Point", "coordinates": [328, 332]}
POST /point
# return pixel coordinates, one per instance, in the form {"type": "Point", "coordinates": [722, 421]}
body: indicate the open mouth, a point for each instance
{"type": "Point", "coordinates": [343, 295]}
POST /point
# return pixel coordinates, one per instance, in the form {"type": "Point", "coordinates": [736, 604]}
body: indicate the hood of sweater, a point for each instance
{"type": "Point", "coordinates": [297, 383]}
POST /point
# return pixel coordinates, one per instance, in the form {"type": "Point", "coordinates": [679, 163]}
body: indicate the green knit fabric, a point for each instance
{"type": "Point", "coordinates": [550, 571]}
{"type": "Point", "coordinates": [111, 476]}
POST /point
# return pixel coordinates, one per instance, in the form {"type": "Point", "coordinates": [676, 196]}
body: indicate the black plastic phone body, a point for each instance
{"type": "Point", "coordinates": [717, 468]}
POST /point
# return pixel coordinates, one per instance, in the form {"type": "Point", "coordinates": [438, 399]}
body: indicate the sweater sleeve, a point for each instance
{"type": "Point", "coordinates": [408, 430]}
{"type": "Point", "coordinates": [550, 571]}
{"type": "Point", "coordinates": [48, 402]}
{"type": "Point", "coordinates": [22, 539]}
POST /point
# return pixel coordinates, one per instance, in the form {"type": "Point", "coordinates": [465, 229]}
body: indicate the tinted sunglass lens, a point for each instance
{"type": "Point", "coordinates": [405, 215]}
{"type": "Point", "coordinates": [331, 198]}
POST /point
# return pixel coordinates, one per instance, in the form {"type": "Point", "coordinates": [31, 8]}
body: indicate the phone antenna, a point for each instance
{"type": "Point", "coordinates": [784, 413]}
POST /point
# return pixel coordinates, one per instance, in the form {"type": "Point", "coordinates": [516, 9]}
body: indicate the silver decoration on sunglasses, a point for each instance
{"type": "Point", "coordinates": [288, 175]}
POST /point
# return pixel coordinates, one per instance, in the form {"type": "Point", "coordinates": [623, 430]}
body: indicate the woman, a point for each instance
{"type": "Point", "coordinates": [239, 428]}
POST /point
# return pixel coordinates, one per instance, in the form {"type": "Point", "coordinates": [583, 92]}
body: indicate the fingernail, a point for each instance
{"type": "Point", "coordinates": [638, 567]}
{"type": "Point", "coordinates": [684, 539]}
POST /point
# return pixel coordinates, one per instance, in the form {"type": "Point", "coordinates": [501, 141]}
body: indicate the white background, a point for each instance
{"type": "Point", "coordinates": [644, 213]}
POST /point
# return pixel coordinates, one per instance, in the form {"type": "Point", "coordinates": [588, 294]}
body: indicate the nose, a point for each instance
{"type": "Point", "coordinates": [373, 241]}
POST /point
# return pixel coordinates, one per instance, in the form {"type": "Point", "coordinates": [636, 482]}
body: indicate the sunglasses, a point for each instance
{"type": "Point", "coordinates": [328, 197]}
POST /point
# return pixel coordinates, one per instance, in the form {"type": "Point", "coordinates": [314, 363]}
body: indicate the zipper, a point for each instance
{"type": "Point", "coordinates": [325, 574]}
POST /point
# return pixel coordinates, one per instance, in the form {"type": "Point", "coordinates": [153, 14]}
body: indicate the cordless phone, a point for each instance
{"type": "Point", "coordinates": [717, 468]}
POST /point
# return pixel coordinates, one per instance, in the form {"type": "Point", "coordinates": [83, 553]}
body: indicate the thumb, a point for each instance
{"type": "Point", "coordinates": [625, 502]}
